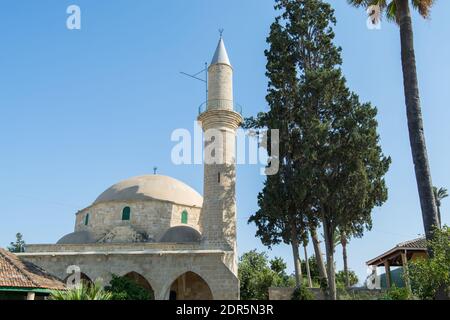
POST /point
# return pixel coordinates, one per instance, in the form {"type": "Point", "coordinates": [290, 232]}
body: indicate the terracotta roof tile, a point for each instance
{"type": "Point", "coordinates": [17, 273]}
{"type": "Point", "coordinates": [419, 243]}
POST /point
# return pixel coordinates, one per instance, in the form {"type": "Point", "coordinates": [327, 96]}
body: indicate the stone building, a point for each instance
{"type": "Point", "coordinates": [157, 230]}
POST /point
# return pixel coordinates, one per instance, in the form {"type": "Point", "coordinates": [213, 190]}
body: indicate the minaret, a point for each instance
{"type": "Point", "coordinates": [219, 123]}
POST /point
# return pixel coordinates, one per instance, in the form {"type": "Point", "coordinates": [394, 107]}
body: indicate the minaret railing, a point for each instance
{"type": "Point", "coordinates": [220, 104]}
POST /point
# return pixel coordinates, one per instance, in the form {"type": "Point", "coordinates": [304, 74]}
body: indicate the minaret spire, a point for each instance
{"type": "Point", "coordinates": [221, 55]}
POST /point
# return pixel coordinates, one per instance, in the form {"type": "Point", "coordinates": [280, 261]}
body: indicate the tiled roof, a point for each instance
{"type": "Point", "coordinates": [22, 274]}
{"type": "Point", "coordinates": [419, 243]}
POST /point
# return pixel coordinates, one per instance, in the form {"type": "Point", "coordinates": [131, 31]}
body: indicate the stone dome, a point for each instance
{"type": "Point", "coordinates": [78, 237]}
{"type": "Point", "coordinates": [152, 187]}
{"type": "Point", "coordinates": [181, 234]}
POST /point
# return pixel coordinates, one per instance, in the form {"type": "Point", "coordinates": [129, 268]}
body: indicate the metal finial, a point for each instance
{"type": "Point", "coordinates": [154, 170]}
{"type": "Point", "coordinates": [221, 32]}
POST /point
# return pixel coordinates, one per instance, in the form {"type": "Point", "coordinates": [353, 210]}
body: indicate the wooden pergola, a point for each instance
{"type": "Point", "coordinates": [399, 257]}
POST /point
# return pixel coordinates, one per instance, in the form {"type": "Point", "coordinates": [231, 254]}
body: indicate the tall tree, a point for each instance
{"type": "Point", "coordinates": [337, 134]}
{"type": "Point", "coordinates": [319, 258]}
{"type": "Point", "coordinates": [439, 195]}
{"type": "Point", "coordinates": [399, 11]}
{"type": "Point", "coordinates": [276, 220]}
{"type": "Point", "coordinates": [284, 200]}
{"type": "Point", "coordinates": [308, 271]}
{"type": "Point", "coordinates": [18, 245]}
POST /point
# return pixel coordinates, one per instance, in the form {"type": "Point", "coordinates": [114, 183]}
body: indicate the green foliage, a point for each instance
{"type": "Point", "coordinates": [313, 269]}
{"type": "Point", "coordinates": [331, 164]}
{"type": "Point", "coordinates": [302, 293]}
{"type": "Point", "coordinates": [82, 292]}
{"type": "Point", "coordinates": [390, 7]}
{"type": "Point", "coordinates": [429, 276]}
{"type": "Point", "coordinates": [257, 274]}
{"type": "Point", "coordinates": [395, 293]}
{"type": "Point", "coordinates": [353, 278]}
{"type": "Point", "coordinates": [123, 288]}
{"type": "Point", "coordinates": [18, 245]}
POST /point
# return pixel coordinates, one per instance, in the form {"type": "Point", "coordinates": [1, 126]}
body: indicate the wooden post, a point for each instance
{"type": "Point", "coordinates": [387, 269]}
{"type": "Point", "coordinates": [405, 270]}
{"type": "Point", "coordinates": [30, 296]}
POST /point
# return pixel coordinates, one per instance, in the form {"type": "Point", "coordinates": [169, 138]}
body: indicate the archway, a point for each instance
{"type": "Point", "coordinates": [71, 279]}
{"type": "Point", "coordinates": [190, 286]}
{"type": "Point", "coordinates": [141, 282]}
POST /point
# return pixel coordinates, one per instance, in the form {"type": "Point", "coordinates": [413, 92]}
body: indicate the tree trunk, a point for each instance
{"type": "Point", "coordinates": [328, 232]}
{"type": "Point", "coordinates": [415, 123]}
{"type": "Point", "coordinates": [344, 257]}
{"type": "Point", "coordinates": [308, 271]}
{"type": "Point", "coordinates": [439, 216]}
{"type": "Point", "coordinates": [297, 264]}
{"type": "Point", "coordinates": [318, 255]}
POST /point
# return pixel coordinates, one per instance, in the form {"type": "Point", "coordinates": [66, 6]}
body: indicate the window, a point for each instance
{"type": "Point", "coordinates": [86, 219]}
{"type": "Point", "coordinates": [184, 217]}
{"type": "Point", "coordinates": [126, 213]}
{"type": "Point", "coordinates": [218, 177]}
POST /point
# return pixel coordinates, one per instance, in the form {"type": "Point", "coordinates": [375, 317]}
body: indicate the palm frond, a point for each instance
{"type": "Point", "coordinates": [389, 7]}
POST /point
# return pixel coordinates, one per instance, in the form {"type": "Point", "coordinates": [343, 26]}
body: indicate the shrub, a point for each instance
{"type": "Point", "coordinates": [123, 288]}
{"type": "Point", "coordinates": [395, 293]}
{"type": "Point", "coordinates": [302, 293]}
{"type": "Point", "coordinates": [431, 277]}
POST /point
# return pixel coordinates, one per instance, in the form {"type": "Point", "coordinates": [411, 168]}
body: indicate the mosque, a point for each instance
{"type": "Point", "coordinates": [158, 231]}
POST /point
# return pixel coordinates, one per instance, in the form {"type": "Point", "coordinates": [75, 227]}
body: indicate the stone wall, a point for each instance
{"type": "Point", "coordinates": [159, 269]}
{"type": "Point", "coordinates": [151, 217]}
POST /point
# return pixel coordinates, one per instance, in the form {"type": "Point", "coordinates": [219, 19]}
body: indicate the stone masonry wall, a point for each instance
{"type": "Point", "coordinates": [159, 270]}
{"type": "Point", "coordinates": [150, 217]}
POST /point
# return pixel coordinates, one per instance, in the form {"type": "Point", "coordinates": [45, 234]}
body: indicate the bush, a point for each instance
{"type": "Point", "coordinates": [352, 277]}
{"type": "Point", "coordinates": [302, 293]}
{"type": "Point", "coordinates": [257, 274]}
{"type": "Point", "coordinates": [395, 293]}
{"type": "Point", "coordinates": [123, 288]}
{"type": "Point", "coordinates": [430, 277]}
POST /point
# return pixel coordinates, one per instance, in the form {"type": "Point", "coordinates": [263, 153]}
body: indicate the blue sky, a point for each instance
{"type": "Point", "coordinates": [83, 109]}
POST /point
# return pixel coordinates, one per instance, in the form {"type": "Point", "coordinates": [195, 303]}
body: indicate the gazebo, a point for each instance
{"type": "Point", "coordinates": [399, 257]}
{"type": "Point", "coordinates": [23, 280]}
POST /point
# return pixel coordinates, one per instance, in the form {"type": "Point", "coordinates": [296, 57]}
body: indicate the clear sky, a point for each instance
{"type": "Point", "coordinates": [81, 110]}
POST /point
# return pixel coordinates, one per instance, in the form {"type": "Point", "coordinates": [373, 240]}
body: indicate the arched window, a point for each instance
{"type": "Point", "coordinates": [86, 219]}
{"type": "Point", "coordinates": [184, 217]}
{"type": "Point", "coordinates": [126, 212]}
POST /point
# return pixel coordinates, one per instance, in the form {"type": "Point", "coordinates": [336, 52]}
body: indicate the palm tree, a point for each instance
{"type": "Point", "coordinates": [399, 11]}
{"type": "Point", "coordinates": [83, 291]}
{"type": "Point", "coordinates": [439, 195]}
{"type": "Point", "coordinates": [344, 241]}
{"type": "Point", "coordinates": [308, 270]}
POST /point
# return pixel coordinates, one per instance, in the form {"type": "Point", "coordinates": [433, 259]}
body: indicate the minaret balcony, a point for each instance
{"type": "Point", "coordinates": [220, 104]}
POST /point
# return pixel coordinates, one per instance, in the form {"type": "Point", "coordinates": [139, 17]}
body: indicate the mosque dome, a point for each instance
{"type": "Point", "coordinates": [181, 234]}
{"type": "Point", "coordinates": [152, 187]}
{"type": "Point", "coordinates": [78, 237]}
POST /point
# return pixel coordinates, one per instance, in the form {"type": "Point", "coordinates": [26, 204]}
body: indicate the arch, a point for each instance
{"type": "Point", "coordinates": [126, 213]}
{"type": "Point", "coordinates": [84, 279]}
{"type": "Point", "coordinates": [141, 281]}
{"type": "Point", "coordinates": [189, 286]}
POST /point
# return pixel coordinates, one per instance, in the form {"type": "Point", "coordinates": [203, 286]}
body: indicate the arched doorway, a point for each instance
{"type": "Point", "coordinates": [190, 286]}
{"type": "Point", "coordinates": [141, 282]}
